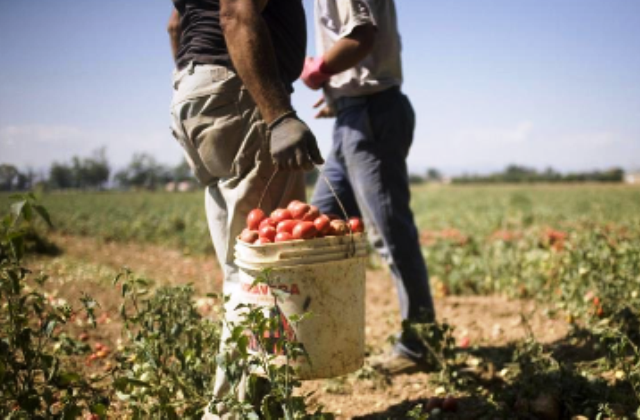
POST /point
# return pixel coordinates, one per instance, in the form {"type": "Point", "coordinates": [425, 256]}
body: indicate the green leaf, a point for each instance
{"type": "Point", "coordinates": [68, 378]}
{"type": "Point", "coordinates": [71, 412]}
{"type": "Point", "coordinates": [99, 409]}
{"type": "Point", "coordinates": [51, 325]}
{"type": "Point", "coordinates": [44, 214]}
{"type": "Point", "coordinates": [17, 208]}
{"type": "Point", "coordinates": [121, 384]}
{"type": "Point", "coordinates": [270, 408]}
{"type": "Point", "coordinates": [29, 402]}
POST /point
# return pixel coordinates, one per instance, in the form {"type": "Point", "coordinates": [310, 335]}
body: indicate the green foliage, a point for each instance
{"type": "Point", "coordinates": [88, 172]}
{"type": "Point", "coordinates": [266, 370]}
{"type": "Point", "coordinates": [12, 179]}
{"type": "Point", "coordinates": [521, 174]}
{"type": "Point", "coordinates": [144, 172]}
{"type": "Point", "coordinates": [33, 381]}
{"type": "Point", "coordinates": [575, 249]}
{"type": "Point", "coordinates": [175, 220]}
{"type": "Point", "coordinates": [167, 366]}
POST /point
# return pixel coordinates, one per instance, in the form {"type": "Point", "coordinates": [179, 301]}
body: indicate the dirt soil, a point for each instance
{"type": "Point", "coordinates": [486, 321]}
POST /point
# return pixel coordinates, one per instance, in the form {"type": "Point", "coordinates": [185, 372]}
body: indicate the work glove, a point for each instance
{"type": "Point", "coordinates": [293, 146]}
{"type": "Point", "coordinates": [315, 73]}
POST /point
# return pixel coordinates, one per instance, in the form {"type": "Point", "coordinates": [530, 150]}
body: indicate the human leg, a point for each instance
{"type": "Point", "coordinates": [214, 116]}
{"type": "Point", "coordinates": [335, 172]}
{"type": "Point", "coordinates": [376, 140]}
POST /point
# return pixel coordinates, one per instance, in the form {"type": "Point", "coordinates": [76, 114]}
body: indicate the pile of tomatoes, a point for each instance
{"type": "Point", "coordinates": [298, 220]}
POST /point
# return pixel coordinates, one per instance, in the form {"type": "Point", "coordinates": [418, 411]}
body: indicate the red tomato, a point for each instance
{"type": "Point", "coordinates": [450, 404]}
{"type": "Point", "coordinates": [262, 240]}
{"type": "Point", "coordinates": [434, 402]}
{"type": "Point", "coordinates": [293, 204]}
{"type": "Point", "coordinates": [465, 342]}
{"type": "Point", "coordinates": [333, 216]}
{"type": "Point", "coordinates": [338, 228]}
{"type": "Point", "coordinates": [322, 224]}
{"type": "Point", "coordinates": [267, 222]}
{"type": "Point", "coordinates": [283, 237]}
{"type": "Point", "coordinates": [254, 218]}
{"type": "Point", "coordinates": [356, 225]}
{"type": "Point", "coordinates": [298, 210]}
{"type": "Point", "coordinates": [304, 230]}
{"type": "Point", "coordinates": [268, 232]}
{"type": "Point", "coordinates": [249, 236]}
{"type": "Point", "coordinates": [279, 215]}
{"type": "Point", "coordinates": [286, 226]}
{"type": "Point", "coordinates": [311, 214]}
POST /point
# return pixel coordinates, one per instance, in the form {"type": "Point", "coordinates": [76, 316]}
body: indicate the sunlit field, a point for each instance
{"type": "Point", "coordinates": [556, 269]}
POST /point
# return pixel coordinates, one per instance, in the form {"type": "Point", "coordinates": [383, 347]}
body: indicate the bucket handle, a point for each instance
{"type": "Point", "coordinates": [352, 250]}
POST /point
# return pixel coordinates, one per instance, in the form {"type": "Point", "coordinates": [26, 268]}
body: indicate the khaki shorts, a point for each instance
{"type": "Point", "coordinates": [225, 142]}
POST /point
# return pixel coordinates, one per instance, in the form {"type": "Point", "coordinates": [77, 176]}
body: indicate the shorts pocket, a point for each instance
{"type": "Point", "coordinates": [216, 132]}
{"type": "Point", "coordinates": [254, 137]}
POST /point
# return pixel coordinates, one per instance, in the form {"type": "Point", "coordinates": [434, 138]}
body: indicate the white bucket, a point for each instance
{"type": "Point", "coordinates": [323, 276]}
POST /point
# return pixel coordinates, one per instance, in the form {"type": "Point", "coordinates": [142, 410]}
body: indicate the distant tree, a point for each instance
{"type": "Point", "coordinates": [182, 172]}
{"type": "Point", "coordinates": [516, 173]}
{"type": "Point", "coordinates": [94, 171]}
{"type": "Point", "coordinates": [415, 179]}
{"type": "Point", "coordinates": [613, 175]}
{"type": "Point", "coordinates": [9, 176]}
{"type": "Point", "coordinates": [91, 172]}
{"type": "Point", "coordinates": [551, 175]}
{"type": "Point", "coordinates": [61, 176]}
{"type": "Point", "coordinates": [143, 172]}
{"type": "Point", "coordinates": [434, 175]}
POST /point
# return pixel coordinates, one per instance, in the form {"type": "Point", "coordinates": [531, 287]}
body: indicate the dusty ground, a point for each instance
{"type": "Point", "coordinates": [487, 321]}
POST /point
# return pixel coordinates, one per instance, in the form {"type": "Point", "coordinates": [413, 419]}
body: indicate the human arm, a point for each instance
{"type": "Point", "coordinates": [251, 50]}
{"type": "Point", "coordinates": [344, 54]}
{"type": "Point", "coordinates": [175, 32]}
{"type": "Point", "coordinates": [292, 144]}
{"type": "Point", "coordinates": [347, 52]}
{"type": "Point", "coordinates": [350, 50]}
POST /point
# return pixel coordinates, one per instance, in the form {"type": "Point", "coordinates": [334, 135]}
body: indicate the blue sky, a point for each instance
{"type": "Point", "coordinates": [534, 82]}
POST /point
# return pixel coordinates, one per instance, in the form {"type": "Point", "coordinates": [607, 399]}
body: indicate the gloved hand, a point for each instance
{"type": "Point", "coordinates": [293, 146]}
{"type": "Point", "coordinates": [315, 73]}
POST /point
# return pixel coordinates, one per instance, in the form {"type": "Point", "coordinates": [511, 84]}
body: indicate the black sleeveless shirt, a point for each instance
{"type": "Point", "coordinates": [202, 40]}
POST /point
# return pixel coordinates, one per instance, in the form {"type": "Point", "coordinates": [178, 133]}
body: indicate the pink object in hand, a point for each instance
{"type": "Point", "coordinates": [315, 74]}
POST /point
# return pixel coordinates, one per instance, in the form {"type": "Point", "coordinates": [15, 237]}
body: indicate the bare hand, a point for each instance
{"type": "Point", "coordinates": [325, 111]}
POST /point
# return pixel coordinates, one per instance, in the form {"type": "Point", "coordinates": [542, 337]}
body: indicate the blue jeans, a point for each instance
{"type": "Point", "coordinates": [368, 170]}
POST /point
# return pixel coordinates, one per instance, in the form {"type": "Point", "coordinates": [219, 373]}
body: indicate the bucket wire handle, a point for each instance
{"type": "Point", "coordinates": [344, 211]}
{"type": "Point", "coordinates": [352, 251]}
{"type": "Point", "coordinates": [266, 188]}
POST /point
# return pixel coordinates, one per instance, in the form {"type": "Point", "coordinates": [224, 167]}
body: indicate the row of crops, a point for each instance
{"type": "Point", "coordinates": [574, 248]}
{"type": "Point", "coordinates": [559, 242]}
{"type": "Point", "coordinates": [517, 240]}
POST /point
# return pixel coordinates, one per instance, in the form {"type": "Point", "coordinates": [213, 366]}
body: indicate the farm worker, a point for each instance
{"type": "Point", "coordinates": [231, 111]}
{"type": "Point", "coordinates": [359, 68]}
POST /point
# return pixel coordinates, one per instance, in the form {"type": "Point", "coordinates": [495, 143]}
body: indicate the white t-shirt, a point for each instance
{"type": "Point", "coordinates": [382, 68]}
